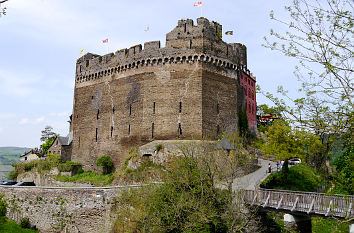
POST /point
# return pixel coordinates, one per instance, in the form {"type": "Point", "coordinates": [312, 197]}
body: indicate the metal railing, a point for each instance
{"type": "Point", "coordinates": [306, 202]}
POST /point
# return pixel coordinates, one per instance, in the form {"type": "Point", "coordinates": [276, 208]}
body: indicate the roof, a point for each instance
{"type": "Point", "coordinates": [66, 141]}
{"type": "Point", "coordinates": [224, 144]}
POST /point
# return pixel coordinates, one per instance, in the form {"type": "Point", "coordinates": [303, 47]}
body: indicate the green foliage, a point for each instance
{"type": "Point", "coordinates": [146, 172]}
{"type": "Point", "coordinates": [320, 37]}
{"type": "Point", "coordinates": [3, 206]}
{"type": "Point", "coordinates": [186, 201]}
{"type": "Point", "coordinates": [325, 225]}
{"type": "Point", "coordinates": [10, 226]}
{"type": "Point", "coordinates": [299, 178]}
{"type": "Point", "coordinates": [25, 223]}
{"type": "Point", "coordinates": [47, 134]}
{"type": "Point", "coordinates": [107, 164]}
{"type": "Point", "coordinates": [158, 148]}
{"type": "Point", "coordinates": [88, 176]}
{"type": "Point", "coordinates": [243, 122]}
{"type": "Point", "coordinates": [67, 166]}
{"type": "Point", "coordinates": [45, 146]}
{"type": "Point", "coordinates": [285, 143]}
{"type": "Point", "coordinates": [264, 109]}
{"type": "Point", "coordinates": [344, 177]}
{"type": "Point", "coordinates": [12, 175]}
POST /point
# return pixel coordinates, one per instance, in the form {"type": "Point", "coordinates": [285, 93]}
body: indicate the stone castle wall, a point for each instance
{"type": "Point", "coordinates": [73, 210]}
{"type": "Point", "coordinates": [187, 90]}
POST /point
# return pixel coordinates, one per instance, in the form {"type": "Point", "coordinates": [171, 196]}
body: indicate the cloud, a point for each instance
{"type": "Point", "coordinates": [24, 121]}
{"type": "Point", "coordinates": [39, 120]}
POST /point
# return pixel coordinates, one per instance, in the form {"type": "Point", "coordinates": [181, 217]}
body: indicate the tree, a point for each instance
{"type": "Point", "coordinates": [320, 37]}
{"type": "Point", "coordinates": [47, 133]}
{"type": "Point", "coordinates": [2, 10]}
{"type": "Point", "coordinates": [285, 143]}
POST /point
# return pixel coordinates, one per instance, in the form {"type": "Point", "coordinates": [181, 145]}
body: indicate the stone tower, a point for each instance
{"type": "Point", "coordinates": [189, 89]}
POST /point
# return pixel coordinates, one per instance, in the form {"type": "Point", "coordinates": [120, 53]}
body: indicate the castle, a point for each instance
{"type": "Point", "coordinates": [193, 88]}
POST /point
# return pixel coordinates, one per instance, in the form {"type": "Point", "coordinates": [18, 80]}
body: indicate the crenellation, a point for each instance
{"type": "Point", "coordinates": [196, 68]}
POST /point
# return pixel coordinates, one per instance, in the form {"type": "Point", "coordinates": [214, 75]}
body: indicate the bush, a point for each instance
{"type": "Point", "coordinates": [158, 148]}
{"type": "Point", "coordinates": [67, 166]}
{"type": "Point", "coordinates": [107, 164]}
{"type": "Point", "coordinates": [3, 206]}
{"type": "Point", "coordinates": [12, 175]}
{"type": "Point", "coordinates": [25, 223]}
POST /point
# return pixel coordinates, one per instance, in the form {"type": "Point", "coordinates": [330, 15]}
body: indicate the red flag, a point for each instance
{"type": "Point", "coordinates": [105, 41]}
{"type": "Point", "coordinates": [197, 3]}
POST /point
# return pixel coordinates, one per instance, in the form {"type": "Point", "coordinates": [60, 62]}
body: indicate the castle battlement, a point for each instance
{"type": "Point", "coordinates": [185, 40]}
{"type": "Point", "coordinates": [160, 61]}
{"type": "Point", "coordinates": [193, 88]}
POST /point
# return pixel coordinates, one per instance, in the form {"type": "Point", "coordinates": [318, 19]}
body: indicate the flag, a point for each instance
{"type": "Point", "coordinates": [147, 29]}
{"type": "Point", "coordinates": [229, 33]}
{"type": "Point", "coordinates": [197, 3]}
{"type": "Point", "coordinates": [105, 40]}
{"type": "Point", "coordinates": [82, 51]}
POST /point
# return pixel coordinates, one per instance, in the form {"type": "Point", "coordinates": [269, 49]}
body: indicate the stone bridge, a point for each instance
{"type": "Point", "coordinates": [300, 206]}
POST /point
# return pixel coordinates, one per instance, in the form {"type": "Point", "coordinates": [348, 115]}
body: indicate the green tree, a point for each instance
{"type": "Point", "coordinates": [285, 143]}
{"type": "Point", "coordinates": [45, 146]}
{"type": "Point", "coordinates": [47, 133]}
{"type": "Point", "coordinates": [320, 37]}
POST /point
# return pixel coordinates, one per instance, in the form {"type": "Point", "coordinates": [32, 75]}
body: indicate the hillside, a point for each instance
{"type": "Point", "coordinates": [9, 155]}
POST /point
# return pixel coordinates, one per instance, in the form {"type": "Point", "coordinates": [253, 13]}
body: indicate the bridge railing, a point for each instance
{"type": "Point", "coordinates": [307, 202]}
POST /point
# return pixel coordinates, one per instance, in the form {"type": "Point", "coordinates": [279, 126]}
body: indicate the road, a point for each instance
{"type": "Point", "coordinates": [252, 180]}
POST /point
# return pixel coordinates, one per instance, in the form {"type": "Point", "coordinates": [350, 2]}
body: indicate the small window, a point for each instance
{"type": "Point", "coordinates": [92, 97]}
{"type": "Point", "coordinates": [154, 108]}
{"type": "Point", "coordinates": [26, 157]}
{"type": "Point", "coordinates": [87, 63]}
{"type": "Point", "coordinates": [152, 130]}
{"type": "Point", "coordinates": [98, 114]}
{"type": "Point", "coordinates": [100, 59]}
{"type": "Point", "coordinates": [79, 142]}
{"type": "Point", "coordinates": [179, 129]}
{"type": "Point", "coordinates": [128, 129]}
{"type": "Point", "coordinates": [56, 143]}
{"type": "Point", "coordinates": [111, 131]}
{"type": "Point", "coordinates": [180, 107]}
{"type": "Point", "coordinates": [130, 110]}
{"type": "Point", "coordinates": [113, 110]}
{"type": "Point", "coordinates": [80, 68]}
{"type": "Point", "coordinates": [217, 109]}
{"type": "Point", "coordinates": [218, 129]}
{"type": "Point", "coordinates": [96, 134]}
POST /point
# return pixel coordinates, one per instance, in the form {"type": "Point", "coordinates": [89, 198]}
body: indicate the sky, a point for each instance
{"type": "Point", "coordinates": [40, 41]}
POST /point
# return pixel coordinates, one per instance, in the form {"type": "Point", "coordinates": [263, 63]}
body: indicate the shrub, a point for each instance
{"type": "Point", "coordinates": [25, 223]}
{"type": "Point", "coordinates": [158, 148]}
{"type": "Point", "coordinates": [105, 162]}
{"type": "Point", "coordinates": [67, 166]}
{"type": "Point", "coordinates": [12, 175]}
{"type": "Point", "coordinates": [3, 206]}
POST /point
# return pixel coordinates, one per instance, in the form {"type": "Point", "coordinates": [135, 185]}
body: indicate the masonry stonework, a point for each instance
{"type": "Point", "coordinates": [189, 89]}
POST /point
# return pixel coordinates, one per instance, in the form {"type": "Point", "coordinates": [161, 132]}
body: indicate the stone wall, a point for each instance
{"type": "Point", "coordinates": [53, 209]}
{"type": "Point", "coordinates": [188, 90]}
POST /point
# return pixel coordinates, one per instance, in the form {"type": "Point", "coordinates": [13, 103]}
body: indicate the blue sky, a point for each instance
{"type": "Point", "coordinates": [40, 41]}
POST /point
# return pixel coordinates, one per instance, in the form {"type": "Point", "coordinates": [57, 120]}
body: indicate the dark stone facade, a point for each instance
{"type": "Point", "coordinates": [188, 90]}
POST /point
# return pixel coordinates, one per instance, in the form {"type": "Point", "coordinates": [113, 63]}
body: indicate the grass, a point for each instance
{"type": "Point", "coordinates": [88, 176]}
{"type": "Point", "coordinates": [9, 226]}
{"type": "Point", "coordinates": [300, 178]}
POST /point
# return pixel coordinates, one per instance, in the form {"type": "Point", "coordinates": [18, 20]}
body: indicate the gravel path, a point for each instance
{"type": "Point", "coordinates": [252, 180]}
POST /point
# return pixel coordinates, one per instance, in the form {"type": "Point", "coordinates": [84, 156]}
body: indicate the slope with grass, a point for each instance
{"type": "Point", "coordinates": [299, 178]}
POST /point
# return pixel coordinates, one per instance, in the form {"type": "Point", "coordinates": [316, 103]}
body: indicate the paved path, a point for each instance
{"type": "Point", "coordinates": [252, 180]}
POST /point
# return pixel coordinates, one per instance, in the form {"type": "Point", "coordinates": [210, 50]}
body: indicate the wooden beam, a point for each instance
{"type": "Point", "coordinates": [329, 208]}
{"type": "Point", "coordinates": [311, 206]}
{"type": "Point", "coordinates": [267, 200]}
{"type": "Point", "coordinates": [254, 199]}
{"type": "Point", "coordinates": [294, 206]}
{"type": "Point", "coordinates": [279, 204]}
